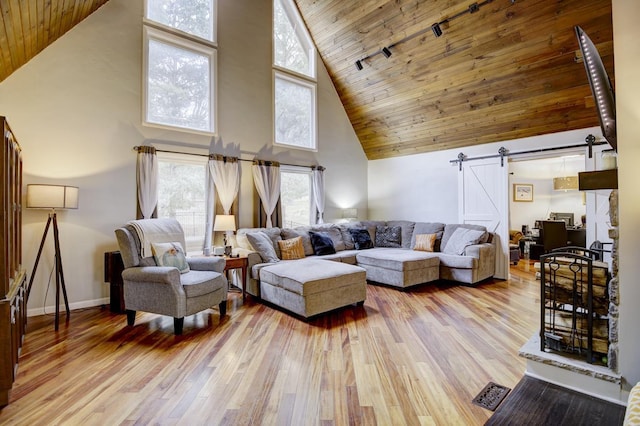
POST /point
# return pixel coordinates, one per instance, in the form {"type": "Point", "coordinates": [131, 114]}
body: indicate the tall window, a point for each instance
{"type": "Point", "coordinates": [181, 195]}
{"type": "Point", "coordinates": [180, 64]}
{"type": "Point", "coordinates": [295, 196]}
{"type": "Point", "coordinates": [295, 114]}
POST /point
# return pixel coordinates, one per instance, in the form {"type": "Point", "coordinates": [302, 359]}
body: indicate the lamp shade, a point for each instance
{"type": "Point", "coordinates": [225, 222]}
{"type": "Point", "coordinates": [565, 183]}
{"type": "Point", "coordinates": [52, 197]}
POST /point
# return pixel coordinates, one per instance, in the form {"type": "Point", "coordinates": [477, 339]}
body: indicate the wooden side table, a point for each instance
{"type": "Point", "coordinates": [241, 262]}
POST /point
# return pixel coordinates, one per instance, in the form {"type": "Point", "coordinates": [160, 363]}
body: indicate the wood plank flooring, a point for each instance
{"type": "Point", "coordinates": [405, 357]}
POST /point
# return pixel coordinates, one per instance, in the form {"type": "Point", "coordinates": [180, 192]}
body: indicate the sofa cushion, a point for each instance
{"type": "Point", "coordinates": [461, 239]}
{"type": "Point", "coordinates": [291, 249]}
{"type": "Point", "coordinates": [450, 228]}
{"type": "Point", "coordinates": [263, 245]}
{"type": "Point", "coordinates": [300, 231]}
{"type": "Point", "coordinates": [273, 233]}
{"type": "Point", "coordinates": [361, 238]}
{"type": "Point", "coordinates": [170, 254]}
{"type": "Point", "coordinates": [333, 231]}
{"type": "Point", "coordinates": [388, 236]}
{"type": "Point", "coordinates": [428, 228]}
{"type": "Point", "coordinates": [322, 243]}
{"type": "Point", "coordinates": [425, 242]}
{"type": "Point", "coordinates": [370, 225]}
{"type": "Point", "coordinates": [198, 283]}
{"type": "Point", "coordinates": [458, 262]}
{"type": "Point", "coordinates": [397, 259]}
{"type": "Point", "coordinates": [407, 231]}
{"type": "Point", "coordinates": [346, 236]}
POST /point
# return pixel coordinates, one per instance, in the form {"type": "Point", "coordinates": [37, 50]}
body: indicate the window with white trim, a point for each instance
{"type": "Point", "coordinates": [294, 64]}
{"type": "Point", "coordinates": [181, 195]}
{"type": "Point", "coordinates": [296, 198]}
{"type": "Point", "coordinates": [179, 65]}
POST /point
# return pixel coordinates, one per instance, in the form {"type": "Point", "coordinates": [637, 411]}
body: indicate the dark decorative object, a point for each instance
{"type": "Point", "coordinates": [322, 243]}
{"type": "Point", "coordinates": [491, 396]}
{"type": "Point", "coordinates": [389, 236]}
{"type": "Point", "coordinates": [361, 238]}
{"type": "Point", "coordinates": [600, 87]}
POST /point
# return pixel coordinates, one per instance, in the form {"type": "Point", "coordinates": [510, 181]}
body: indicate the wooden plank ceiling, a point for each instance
{"type": "Point", "coordinates": [28, 26]}
{"type": "Point", "coordinates": [509, 70]}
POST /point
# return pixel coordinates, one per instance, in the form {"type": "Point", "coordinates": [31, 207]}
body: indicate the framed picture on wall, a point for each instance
{"type": "Point", "coordinates": [522, 192]}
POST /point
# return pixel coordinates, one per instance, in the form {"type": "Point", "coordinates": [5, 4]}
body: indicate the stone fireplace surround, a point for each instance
{"type": "Point", "coordinates": [568, 370]}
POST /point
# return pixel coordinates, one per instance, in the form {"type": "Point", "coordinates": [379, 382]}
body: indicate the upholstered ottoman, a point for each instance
{"type": "Point", "coordinates": [399, 267]}
{"type": "Point", "coordinates": [309, 287]}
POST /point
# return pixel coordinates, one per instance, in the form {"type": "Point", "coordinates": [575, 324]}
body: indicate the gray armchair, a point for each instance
{"type": "Point", "coordinates": [163, 289]}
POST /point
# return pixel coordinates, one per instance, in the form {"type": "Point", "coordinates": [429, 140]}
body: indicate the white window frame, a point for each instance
{"type": "Point", "coordinates": [180, 33]}
{"type": "Point", "coordinates": [303, 171]}
{"type": "Point", "coordinates": [191, 160]}
{"type": "Point", "coordinates": [157, 31]}
{"type": "Point", "coordinates": [290, 77]}
{"type": "Point", "coordinates": [296, 77]}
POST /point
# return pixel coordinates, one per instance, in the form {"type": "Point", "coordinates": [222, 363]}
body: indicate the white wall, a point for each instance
{"type": "Point", "coordinates": [626, 33]}
{"type": "Point", "coordinates": [425, 186]}
{"type": "Point", "coordinates": [76, 111]}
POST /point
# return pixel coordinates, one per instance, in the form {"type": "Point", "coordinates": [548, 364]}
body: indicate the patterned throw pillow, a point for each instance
{"type": "Point", "coordinates": [291, 249]}
{"type": "Point", "coordinates": [425, 242]}
{"type": "Point", "coordinates": [170, 254]}
{"type": "Point", "coordinates": [361, 238]}
{"type": "Point", "coordinates": [322, 243]}
{"type": "Point", "coordinates": [388, 236]}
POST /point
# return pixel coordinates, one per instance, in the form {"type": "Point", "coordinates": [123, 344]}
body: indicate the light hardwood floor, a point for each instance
{"type": "Point", "coordinates": [405, 357]}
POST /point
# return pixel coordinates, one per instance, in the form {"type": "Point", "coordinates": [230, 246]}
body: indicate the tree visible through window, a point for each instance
{"type": "Point", "coordinates": [179, 71]}
{"type": "Point", "coordinates": [294, 79]}
{"type": "Point", "coordinates": [181, 195]}
{"type": "Point", "coordinates": [295, 197]}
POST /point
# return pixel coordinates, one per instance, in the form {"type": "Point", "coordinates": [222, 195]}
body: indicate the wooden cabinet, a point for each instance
{"type": "Point", "coordinates": [13, 291]}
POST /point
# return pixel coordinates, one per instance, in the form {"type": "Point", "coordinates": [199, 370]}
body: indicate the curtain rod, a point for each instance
{"type": "Point", "coordinates": [239, 159]}
{"type": "Point", "coordinates": [590, 142]}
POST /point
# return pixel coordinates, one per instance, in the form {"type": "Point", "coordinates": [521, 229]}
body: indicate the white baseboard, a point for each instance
{"type": "Point", "coordinates": [76, 305]}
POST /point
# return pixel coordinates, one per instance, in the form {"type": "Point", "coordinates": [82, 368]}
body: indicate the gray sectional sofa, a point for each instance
{"type": "Point", "coordinates": [467, 259]}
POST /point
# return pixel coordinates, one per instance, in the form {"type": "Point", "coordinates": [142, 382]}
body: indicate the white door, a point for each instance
{"type": "Point", "coordinates": [483, 200]}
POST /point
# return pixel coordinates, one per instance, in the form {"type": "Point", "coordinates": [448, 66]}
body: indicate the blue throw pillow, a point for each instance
{"type": "Point", "coordinates": [361, 238]}
{"type": "Point", "coordinates": [322, 243]}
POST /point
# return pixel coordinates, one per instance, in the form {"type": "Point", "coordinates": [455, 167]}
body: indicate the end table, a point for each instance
{"type": "Point", "coordinates": [241, 262]}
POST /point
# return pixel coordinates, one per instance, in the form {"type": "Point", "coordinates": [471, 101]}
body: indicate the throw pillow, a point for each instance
{"type": "Point", "coordinates": [388, 236]}
{"type": "Point", "coordinates": [461, 239]}
{"type": "Point", "coordinates": [170, 254]}
{"type": "Point", "coordinates": [291, 249]}
{"type": "Point", "coordinates": [361, 238]}
{"type": "Point", "coordinates": [263, 245]}
{"type": "Point", "coordinates": [322, 243]}
{"type": "Point", "coordinates": [425, 242]}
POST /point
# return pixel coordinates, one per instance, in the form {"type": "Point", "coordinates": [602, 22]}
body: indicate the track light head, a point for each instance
{"type": "Point", "coordinates": [437, 31]}
{"type": "Point", "coordinates": [359, 65]}
{"type": "Point", "coordinates": [386, 52]}
{"type": "Point", "coordinates": [474, 7]}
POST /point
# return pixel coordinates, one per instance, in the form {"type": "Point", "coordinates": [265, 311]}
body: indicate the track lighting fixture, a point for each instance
{"type": "Point", "coordinates": [436, 28]}
{"type": "Point", "coordinates": [437, 31]}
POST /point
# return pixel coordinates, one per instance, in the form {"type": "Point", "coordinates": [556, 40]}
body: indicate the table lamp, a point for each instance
{"type": "Point", "coordinates": [225, 223]}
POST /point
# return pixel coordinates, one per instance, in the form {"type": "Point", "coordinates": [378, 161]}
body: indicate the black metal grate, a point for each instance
{"type": "Point", "coordinates": [491, 396]}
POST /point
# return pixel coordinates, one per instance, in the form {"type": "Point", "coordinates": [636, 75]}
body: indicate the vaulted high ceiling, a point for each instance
{"type": "Point", "coordinates": [509, 70]}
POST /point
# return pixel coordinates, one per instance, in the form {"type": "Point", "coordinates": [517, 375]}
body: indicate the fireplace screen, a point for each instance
{"type": "Point", "coordinates": [575, 304]}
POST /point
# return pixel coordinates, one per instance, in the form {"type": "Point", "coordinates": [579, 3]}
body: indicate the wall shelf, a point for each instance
{"type": "Point", "coordinates": [599, 179]}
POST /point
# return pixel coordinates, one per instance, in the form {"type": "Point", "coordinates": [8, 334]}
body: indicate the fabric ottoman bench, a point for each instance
{"type": "Point", "coordinates": [399, 267]}
{"type": "Point", "coordinates": [308, 287]}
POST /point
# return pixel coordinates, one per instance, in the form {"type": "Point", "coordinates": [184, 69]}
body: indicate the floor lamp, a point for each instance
{"type": "Point", "coordinates": [52, 197]}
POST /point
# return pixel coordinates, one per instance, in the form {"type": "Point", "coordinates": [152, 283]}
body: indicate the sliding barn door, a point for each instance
{"type": "Point", "coordinates": [597, 206]}
{"type": "Point", "coordinates": [483, 200]}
